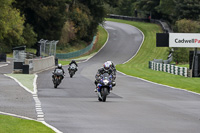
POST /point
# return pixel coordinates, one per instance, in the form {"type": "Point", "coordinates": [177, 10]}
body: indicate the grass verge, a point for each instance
{"type": "Point", "coordinates": [25, 79]}
{"type": "Point", "coordinates": [138, 66]}
{"type": "Point", "coordinates": [9, 124]}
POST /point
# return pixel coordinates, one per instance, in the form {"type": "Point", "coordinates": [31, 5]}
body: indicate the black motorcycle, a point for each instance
{"type": "Point", "coordinates": [72, 69]}
{"type": "Point", "coordinates": [58, 75]}
{"type": "Point", "coordinates": [104, 86]}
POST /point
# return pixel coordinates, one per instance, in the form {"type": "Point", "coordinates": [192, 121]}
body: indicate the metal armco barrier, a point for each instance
{"type": "Point", "coordinates": [183, 71]}
{"type": "Point", "coordinates": [165, 26]}
{"type": "Point", "coordinates": [76, 53]}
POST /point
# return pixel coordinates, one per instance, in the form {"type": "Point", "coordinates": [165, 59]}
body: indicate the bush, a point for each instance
{"type": "Point", "coordinates": [187, 26]}
{"type": "Point", "coordinates": [181, 55]}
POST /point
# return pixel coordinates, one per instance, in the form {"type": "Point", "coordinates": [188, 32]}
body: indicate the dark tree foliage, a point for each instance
{"type": "Point", "coordinates": [189, 9]}
{"type": "Point", "coordinates": [49, 16]}
{"type": "Point", "coordinates": [148, 6]}
{"type": "Point", "coordinates": [97, 12]}
{"type": "Point", "coordinates": [46, 16]}
{"type": "Point", "coordinates": [167, 9]}
{"type": "Point", "coordinates": [127, 7]}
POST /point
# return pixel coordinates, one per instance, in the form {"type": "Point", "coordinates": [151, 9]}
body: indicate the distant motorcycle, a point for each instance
{"type": "Point", "coordinates": [58, 75]}
{"type": "Point", "coordinates": [104, 86]}
{"type": "Point", "coordinates": [72, 69]}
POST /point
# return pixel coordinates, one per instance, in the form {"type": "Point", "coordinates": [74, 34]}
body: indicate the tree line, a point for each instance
{"type": "Point", "coordinates": [24, 22]}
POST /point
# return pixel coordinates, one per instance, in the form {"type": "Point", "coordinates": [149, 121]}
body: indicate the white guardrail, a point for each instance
{"type": "Point", "coordinates": [183, 71]}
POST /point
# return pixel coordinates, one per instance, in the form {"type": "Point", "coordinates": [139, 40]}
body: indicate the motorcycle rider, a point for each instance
{"type": "Point", "coordinates": [73, 62]}
{"type": "Point", "coordinates": [59, 67]}
{"type": "Point", "coordinates": [112, 66]}
{"type": "Point", "coordinates": [106, 69]}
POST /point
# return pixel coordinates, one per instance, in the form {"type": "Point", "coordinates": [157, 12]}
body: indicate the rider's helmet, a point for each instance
{"type": "Point", "coordinates": [73, 61]}
{"type": "Point", "coordinates": [109, 62]}
{"type": "Point", "coordinates": [59, 66]}
{"type": "Point", "coordinates": [106, 66]}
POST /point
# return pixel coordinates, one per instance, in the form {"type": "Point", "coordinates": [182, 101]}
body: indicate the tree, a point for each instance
{"type": "Point", "coordinates": [126, 7]}
{"type": "Point", "coordinates": [11, 26]}
{"type": "Point", "coordinates": [188, 9]}
{"type": "Point", "coordinates": [80, 16]}
{"type": "Point", "coordinates": [148, 6]}
{"type": "Point", "coordinates": [96, 11]}
{"type": "Point", "coordinates": [29, 35]}
{"type": "Point", "coordinates": [167, 9]}
{"type": "Point", "coordinates": [46, 16]}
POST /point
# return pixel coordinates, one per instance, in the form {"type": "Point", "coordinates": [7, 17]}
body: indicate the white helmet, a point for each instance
{"type": "Point", "coordinates": [106, 65]}
{"type": "Point", "coordinates": [59, 65]}
{"type": "Point", "coordinates": [109, 62]}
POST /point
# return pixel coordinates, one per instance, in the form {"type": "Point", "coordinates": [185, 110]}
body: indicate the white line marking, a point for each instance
{"type": "Point", "coordinates": [159, 84]}
{"type": "Point", "coordinates": [23, 117]}
{"type": "Point", "coordinates": [139, 47]}
{"type": "Point", "coordinates": [3, 65]}
{"type": "Point", "coordinates": [20, 84]}
{"type": "Point", "coordinates": [38, 108]}
{"type": "Point", "coordinates": [40, 116]}
{"type": "Point", "coordinates": [35, 86]}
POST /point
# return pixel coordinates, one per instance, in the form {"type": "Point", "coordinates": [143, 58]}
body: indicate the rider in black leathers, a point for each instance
{"type": "Point", "coordinates": [112, 66]}
{"type": "Point", "coordinates": [59, 67]}
{"type": "Point", "coordinates": [73, 62]}
{"type": "Point", "coordinates": [106, 69]}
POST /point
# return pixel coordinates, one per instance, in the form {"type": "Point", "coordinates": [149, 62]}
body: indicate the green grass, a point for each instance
{"type": "Point", "coordinates": [10, 124]}
{"type": "Point", "coordinates": [101, 39]}
{"type": "Point", "coordinates": [71, 48]}
{"type": "Point", "coordinates": [25, 79]}
{"type": "Point", "coordinates": [63, 62]}
{"type": "Point", "coordinates": [138, 66]}
{"type": "Point", "coordinates": [183, 65]}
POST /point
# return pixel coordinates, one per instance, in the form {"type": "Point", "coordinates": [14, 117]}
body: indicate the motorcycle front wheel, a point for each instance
{"type": "Point", "coordinates": [55, 85]}
{"type": "Point", "coordinates": [104, 94]}
{"type": "Point", "coordinates": [99, 99]}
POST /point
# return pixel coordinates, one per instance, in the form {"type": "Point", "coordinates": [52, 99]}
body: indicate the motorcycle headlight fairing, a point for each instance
{"type": "Point", "coordinates": [105, 82]}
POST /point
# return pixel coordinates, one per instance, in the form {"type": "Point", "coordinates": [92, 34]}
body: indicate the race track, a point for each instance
{"type": "Point", "coordinates": [135, 106]}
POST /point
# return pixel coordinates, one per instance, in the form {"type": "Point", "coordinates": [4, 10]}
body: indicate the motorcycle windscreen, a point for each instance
{"type": "Point", "coordinates": [106, 76]}
{"type": "Point", "coordinates": [58, 72]}
{"type": "Point", "coordinates": [72, 66]}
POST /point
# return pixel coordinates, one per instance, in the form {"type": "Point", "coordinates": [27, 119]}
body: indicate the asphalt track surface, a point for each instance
{"type": "Point", "coordinates": [13, 98]}
{"type": "Point", "coordinates": [135, 106]}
